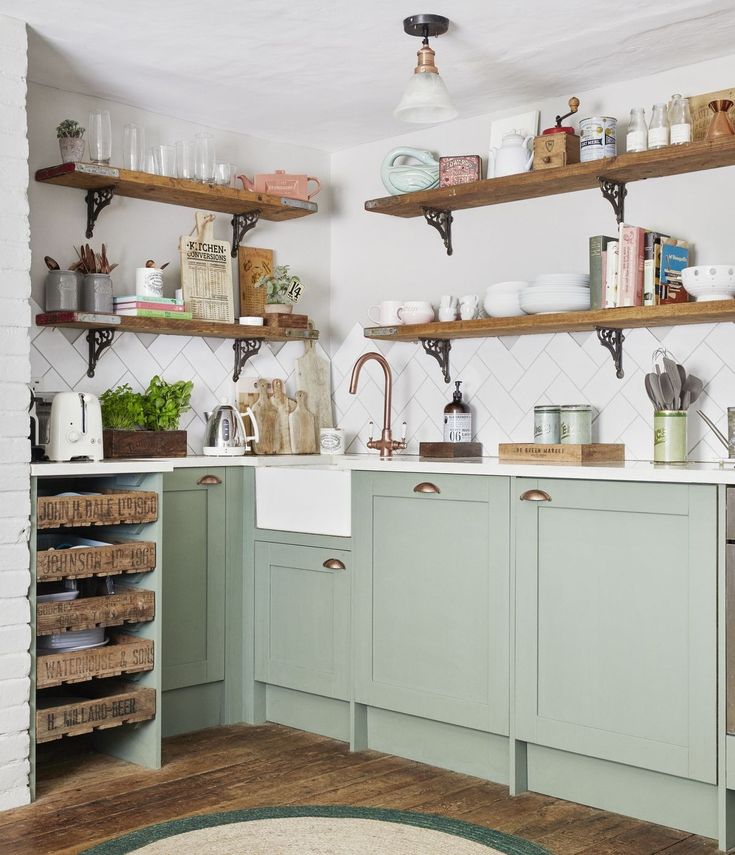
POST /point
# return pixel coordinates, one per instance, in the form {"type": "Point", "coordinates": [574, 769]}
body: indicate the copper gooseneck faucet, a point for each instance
{"type": "Point", "coordinates": [386, 443]}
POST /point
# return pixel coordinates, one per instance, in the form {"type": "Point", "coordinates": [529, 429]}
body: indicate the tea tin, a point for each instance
{"type": "Point", "coordinates": [575, 424]}
{"type": "Point", "coordinates": [546, 424]}
{"type": "Point", "coordinates": [670, 436]}
{"type": "Point", "coordinates": [597, 138]}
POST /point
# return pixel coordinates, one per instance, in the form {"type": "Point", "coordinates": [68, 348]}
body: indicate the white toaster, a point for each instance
{"type": "Point", "coordinates": [75, 427]}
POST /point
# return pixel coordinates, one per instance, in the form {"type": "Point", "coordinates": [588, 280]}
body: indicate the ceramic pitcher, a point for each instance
{"type": "Point", "coordinates": [514, 155]}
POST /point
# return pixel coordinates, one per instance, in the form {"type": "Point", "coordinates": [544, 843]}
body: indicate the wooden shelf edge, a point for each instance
{"type": "Point", "coordinates": [638, 166]}
{"type": "Point", "coordinates": [674, 314]}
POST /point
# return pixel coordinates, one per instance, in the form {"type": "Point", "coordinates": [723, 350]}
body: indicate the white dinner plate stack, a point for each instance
{"type": "Point", "coordinates": [75, 639]}
{"type": "Point", "coordinates": [556, 292]}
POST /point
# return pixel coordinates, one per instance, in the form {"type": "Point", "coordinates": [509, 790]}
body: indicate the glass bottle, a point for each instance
{"type": "Point", "coordinates": [637, 139]}
{"type": "Point", "coordinates": [680, 120]}
{"type": "Point", "coordinates": [658, 130]}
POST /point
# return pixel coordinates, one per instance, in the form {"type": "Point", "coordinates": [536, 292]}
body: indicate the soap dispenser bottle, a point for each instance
{"type": "Point", "coordinates": [457, 418]}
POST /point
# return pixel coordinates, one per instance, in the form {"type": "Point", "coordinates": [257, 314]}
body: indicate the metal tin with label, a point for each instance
{"type": "Point", "coordinates": [546, 424]}
{"type": "Point", "coordinates": [332, 441]}
{"type": "Point", "coordinates": [598, 138]}
{"type": "Point", "coordinates": [670, 436]}
{"type": "Point", "coordinates": [575, 424]}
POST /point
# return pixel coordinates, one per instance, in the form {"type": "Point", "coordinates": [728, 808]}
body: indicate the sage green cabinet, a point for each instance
{"type": "Point", "coordinates": [431, 604]}
{"type": "Point", "coordinates": [302, 618]}
{"type": "Point", "coordinates": [194, 570]}
{"type": "Point", "coordinates": [616, 618]}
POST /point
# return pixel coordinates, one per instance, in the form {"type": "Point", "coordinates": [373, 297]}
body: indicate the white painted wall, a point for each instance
{"type": "Point", "coordinates": [376, 257]}
{"type": "Point", "coordinates": [15, 632]}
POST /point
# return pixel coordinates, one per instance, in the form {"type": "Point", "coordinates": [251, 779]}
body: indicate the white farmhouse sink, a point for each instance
{"type": "Point", "coordinates": [308, 499]}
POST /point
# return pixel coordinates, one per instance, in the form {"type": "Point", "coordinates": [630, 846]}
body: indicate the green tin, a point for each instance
{"type": "Point", "coordinates": [670, 436]}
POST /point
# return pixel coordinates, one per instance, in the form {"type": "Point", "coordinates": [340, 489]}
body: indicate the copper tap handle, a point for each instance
{"type": "Point", "coordinates": [535, 496]}
{"type": "Point", "coordinates": [426, 487]}
{"type": "Point", "coordinates": [209, 481]}
{"type": "Point", "coordinates": [333, 564]}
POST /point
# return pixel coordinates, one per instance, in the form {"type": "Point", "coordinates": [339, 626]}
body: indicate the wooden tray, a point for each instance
{"type": "Point", "coordinates": [133, 556]}
{"type": "Point", "coordinates": [125, 654]}
{"type": "Point", "coordinates": [110, 705]}
{"type": "Point", "coordinates": [123, 444]}
{"type": "Point", "coordinates": [529, 452]}
{"type": "Point", "coordinates": [284, 320]}
{"type": "Point", "coordinates": [450, 450]}
{"type": "Point", "coordinates": [115, 609]}
{"type": "Point", "coordinates": [108, 508]}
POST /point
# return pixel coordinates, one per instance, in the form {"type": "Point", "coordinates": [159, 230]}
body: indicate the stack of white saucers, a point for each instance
{"type": "Point", "coordinates": [65, 642]}
{"type": "Point", "coordinates": [556, 292]}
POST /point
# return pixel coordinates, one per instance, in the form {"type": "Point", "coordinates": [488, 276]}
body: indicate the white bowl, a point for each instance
{"type": "Point", "coordinates": [503, 305]}
{"type": "Point", "coordinates": [415, 316]}
{"type": "Point", "coordinates": [707, 282]}
{"type": "Point", "coordinates": [511, 287]}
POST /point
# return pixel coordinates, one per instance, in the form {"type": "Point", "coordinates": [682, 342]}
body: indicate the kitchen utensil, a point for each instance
{"type": "Point", "coordinates": [707, 282]}
{"type": "Point", "coordinates": [62, 291]}
{"type": "Point", "coordinates": [672, 371]}
{"type": "Point", "coordinates": [225, 434]}
{"type": "Point", "coordinates": [283, 407]}
{"type": "Point", "coordinates": [693, 387]}
{"type": "Point", "coordinates": [667, 391]}
{"type": "Point", "coordinates": [653, 388]}
{"type": "Point", "coordinates": [75, 427]}
{"type": "Point", "coordinates": [513, 156]}
{"type": "Point", "coordinates": [715, 430]}
{"type": "Point", "coordinates": [313, 376]}
{"type": "Point", "coordinates": [267, 418]}
{"type": "Point", "coordinates": [720, 124]}
{"type": "Point", "coordinates": [422, 174]}
{"type": "Point", "coordinates": [385, 314]}
{"type": "Point", "coordinates": [51, 263]}
{"type": "Point", "coordinates": [301, 423]}
{"type": "Point", "coordinates": [282, 183]}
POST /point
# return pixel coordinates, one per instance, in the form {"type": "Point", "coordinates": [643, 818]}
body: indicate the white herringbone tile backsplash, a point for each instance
{"type": "Point", "coordinates": [503, 378]}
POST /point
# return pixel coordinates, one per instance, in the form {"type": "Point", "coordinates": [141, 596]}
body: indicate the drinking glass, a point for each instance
{"type": "Point", "coordinates": [134, 147]}
{"type": "Point", "coordinates": [186, 159]}
{"type": "Point", "coordinates": [165, 159]}
{"type": "Point", "coordinates": [100, 136]}
{"type": "Point", "coordinates": [151, 161]}
{"type": "Point", "coordinates": [204, 158]}
{"type": "Point", "coordinates": [225, 174]}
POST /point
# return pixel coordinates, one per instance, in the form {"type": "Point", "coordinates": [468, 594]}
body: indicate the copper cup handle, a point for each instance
{"type": "Point", "coordinates": [426, 487]}
{"type": "Point", "coordinates": [333, 564]}
{"type": "Point", "coordinates": [209, 481]}
{"type": "Point", "coordinates": [535, 496]}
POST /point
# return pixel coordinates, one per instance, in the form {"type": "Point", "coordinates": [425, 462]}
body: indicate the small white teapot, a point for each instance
{"type": "Point", "coordinates": [514, 155]}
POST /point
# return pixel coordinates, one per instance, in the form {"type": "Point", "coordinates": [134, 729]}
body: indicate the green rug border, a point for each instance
{"type": "Point", "coordinates": [505, 843]}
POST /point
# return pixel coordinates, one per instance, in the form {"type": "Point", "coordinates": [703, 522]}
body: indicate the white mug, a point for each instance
{"type": "Point", "coordinates": [448, 314]}
{"type": "Point", "coordinates": [448, 302]}
{"type": "Point", "coordinates": [468, 306]}
{"type": "Point", "coordinates": [387, 313]}
{"type": "Point", "coordinates": [416, 312]}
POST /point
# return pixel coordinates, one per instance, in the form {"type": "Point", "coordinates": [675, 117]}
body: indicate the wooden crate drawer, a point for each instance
{"type": "Point", "coordinates": [79, 562]}
{"type": "Point", "coordinates": [125, 654]}
{"type": "Point", "coordinates": [126, 607]}
{"type": "Point", "coordinates": [106, 508]}
{"type": "Point", "coordinates": [102, 706]}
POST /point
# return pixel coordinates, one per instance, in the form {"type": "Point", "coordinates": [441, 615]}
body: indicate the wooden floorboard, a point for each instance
{"type": "Point", "coordinates": [85, 798]}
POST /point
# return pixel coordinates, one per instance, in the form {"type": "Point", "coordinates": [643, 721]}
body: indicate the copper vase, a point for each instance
{"type": "Point", "coordinates": [720, 124]}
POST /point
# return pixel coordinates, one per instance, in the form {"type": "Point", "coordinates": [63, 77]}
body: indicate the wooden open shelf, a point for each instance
{"type": "Point", "coordinates": [673, 160]}
{"type": "Point", "coordinates": [174, 191]}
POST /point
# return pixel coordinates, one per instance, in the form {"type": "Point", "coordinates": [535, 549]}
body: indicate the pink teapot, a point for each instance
{"type": "Point", "coordinates": [281, 183]}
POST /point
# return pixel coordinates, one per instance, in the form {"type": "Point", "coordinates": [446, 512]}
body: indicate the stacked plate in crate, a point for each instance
{"type": "Point", "coordinates": [73, 639]}
{"type": "Point", "coordinates": [556, 292]}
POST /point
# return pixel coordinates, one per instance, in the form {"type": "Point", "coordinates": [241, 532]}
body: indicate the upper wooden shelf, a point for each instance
{"type": "Point", "coordinates": [175, 191]}
{"type": "Point", "coordinates": [672, 160]}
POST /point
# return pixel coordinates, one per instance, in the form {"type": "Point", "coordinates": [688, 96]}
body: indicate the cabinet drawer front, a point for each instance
{"type": "Point", "coordinates": [469, 488]}
{"type": "Point", "coordinates": [302, 602]}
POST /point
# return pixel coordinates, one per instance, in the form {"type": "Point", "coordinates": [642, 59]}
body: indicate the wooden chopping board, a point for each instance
{"type": "Point", "coordinates": [283, 407]}
{"type": "Point", "coordinates": [267, 418]}
{"type": "Point", "coordinates": [302, 424]}
{"type": "Point", "coordinates": [313, 376]}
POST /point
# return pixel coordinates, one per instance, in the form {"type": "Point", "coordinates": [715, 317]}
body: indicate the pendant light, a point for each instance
{"type": "Point", "coordinates": [425, 99]}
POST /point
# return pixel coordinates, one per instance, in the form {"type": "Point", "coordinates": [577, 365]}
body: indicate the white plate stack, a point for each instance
{"type": "Point", "coordinates": [557, 292]}
{"type": "Point", "coordinates": [74, 639]}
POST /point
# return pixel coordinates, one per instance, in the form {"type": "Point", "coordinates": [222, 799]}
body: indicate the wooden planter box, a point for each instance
{"type": "Point", "coordinates": [144, 443]}
{"type": "Point", "coordinates": [109, 706]}
{"type": "Point", "coordinates": [125, 654]}
{"type": "Point", "coordinates": [109, 508]}
{"type": "Point", "coordinates": [112, 610]}
{"type": "Point", "coordinates": [134, 556]}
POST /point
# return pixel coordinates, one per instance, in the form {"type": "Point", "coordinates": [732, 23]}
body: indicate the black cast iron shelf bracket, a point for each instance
{"type": "Point", "coordinates": [439, 348]}
{"type": "Point", "coordinates": [241, 225]}
{"type": "Point", "coordinates": [613, 339]}
{"type": "Point", "coordinates": [96, 200]}
{"type": "Point", "coordinates": [98, 341]}
{"type": "Point", "coordinates": [615, 193]}
{"type": "Point", "coordinates": [442, 222]}
{"type": "Point", "coordinates": [244, 348]}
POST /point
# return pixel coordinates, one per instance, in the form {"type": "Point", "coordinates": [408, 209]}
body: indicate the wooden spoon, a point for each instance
{"type": "Point", "coordinates": [51, 263]}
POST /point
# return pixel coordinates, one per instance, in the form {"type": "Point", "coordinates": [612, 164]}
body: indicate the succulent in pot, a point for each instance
{"type": "Point", "coordinates": [70, 135]}
{"type": "Point", "coordinates": [282, 289]}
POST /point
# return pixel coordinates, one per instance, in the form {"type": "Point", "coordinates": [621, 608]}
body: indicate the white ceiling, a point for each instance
{"type": "Point", "coordinates": [328, 74]}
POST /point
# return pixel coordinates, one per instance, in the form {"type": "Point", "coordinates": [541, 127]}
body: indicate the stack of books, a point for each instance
{"type": "Point", "coordinates": [638, 267]}
{"type": "Point", "coordinates": [142, 306]}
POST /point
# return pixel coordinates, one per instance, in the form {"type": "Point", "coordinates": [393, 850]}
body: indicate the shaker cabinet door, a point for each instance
{"type": "Point", "coordinates": [616, 622]}
{"type": "Point", "coordinates": [432, 596]}
{"type": "Point", "coordinates": [193, 602]}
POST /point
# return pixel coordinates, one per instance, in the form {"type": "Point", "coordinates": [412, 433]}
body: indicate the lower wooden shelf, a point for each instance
{"type": "Point", "coordinates": [130, 606]}
{"type": "Point", "coordinates": [125, 654]}
{"type": "Point", "coordinates": [97, 706]}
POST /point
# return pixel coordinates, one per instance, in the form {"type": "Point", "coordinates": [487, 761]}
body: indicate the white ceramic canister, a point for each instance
{"type": "Point", "coordinates": [332, 441]}
{"type": "Point", "coordinates": [670, 436]}
{"type": "Point", "coordinates": [546, 424]}
{"type": "Point", "coordinates": [575, 424]}
{"type": "Point", "coordinates": [148, 282]}
{"type": "Point", "coordinates": [597, 138]}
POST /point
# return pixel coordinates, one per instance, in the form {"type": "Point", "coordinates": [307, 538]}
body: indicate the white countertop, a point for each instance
{"type": "Point", "coordinates": [632, 470]}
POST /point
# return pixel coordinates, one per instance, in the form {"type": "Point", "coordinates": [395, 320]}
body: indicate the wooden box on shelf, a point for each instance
{"type": "Point", "coordinates": [529, 452]}
{"type": "Point", "coordinates": [112, 507]}
{"type": "Point", "coordinates": [133, 556]}
{"type": "Point", "coordinates": [551, 150]}
{"type": "Point", "coordinates": [130, 606]}
{"type": "Point", "coordinates": [125, 654]}
{"type": "Point", "coordinates": [99, 706]}
{"type": "Point", "coordinates": [449, 450]}
{"type": "Point", "coordinates": [122, 444]}
{"type": "Point", "coordinates": [286, 321]}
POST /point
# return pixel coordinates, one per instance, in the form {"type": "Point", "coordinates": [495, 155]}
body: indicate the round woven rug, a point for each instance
{"type": "Point", "coordinates": [317, 830]}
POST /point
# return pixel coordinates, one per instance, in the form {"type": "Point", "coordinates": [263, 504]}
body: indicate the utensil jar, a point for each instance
{"type": "Point", "coordinates": [670, 436]}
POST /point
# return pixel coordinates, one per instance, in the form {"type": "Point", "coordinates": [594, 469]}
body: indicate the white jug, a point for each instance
{"type": "Point", "coordinates": [514, 155]}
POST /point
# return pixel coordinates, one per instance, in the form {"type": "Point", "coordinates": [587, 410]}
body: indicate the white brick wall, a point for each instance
{"type": "Point", "coordinates": [15, 259]}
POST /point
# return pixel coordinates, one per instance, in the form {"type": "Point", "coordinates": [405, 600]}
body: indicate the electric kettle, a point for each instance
{"type": "Point", "coordinates": [225, 434]}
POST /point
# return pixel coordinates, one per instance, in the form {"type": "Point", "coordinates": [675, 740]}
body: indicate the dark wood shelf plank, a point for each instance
{"type": "Point", "coordinates": [175, 191]}
{"type": "Point", "coordinates": [673, 160]}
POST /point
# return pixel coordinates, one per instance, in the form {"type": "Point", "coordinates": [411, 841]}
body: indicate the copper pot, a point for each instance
{"type": "Point", "coordinates": [720, 124]}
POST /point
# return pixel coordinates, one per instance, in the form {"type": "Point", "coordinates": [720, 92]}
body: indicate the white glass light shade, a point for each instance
{"type": "Point", "coordinates": [425, 100]}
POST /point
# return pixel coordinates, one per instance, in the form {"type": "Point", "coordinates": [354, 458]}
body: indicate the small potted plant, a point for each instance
{"type": "Point", "coordinates": [71, 141]}
{"type": "Point", "coordinates": [145, 424]}
{"type": "Point", "coordinates": [282, 290]}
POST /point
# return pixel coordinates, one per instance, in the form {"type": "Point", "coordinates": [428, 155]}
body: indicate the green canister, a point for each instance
{"type": "Point", "coordinates": [576, 424]}
{"type": "Point", "coordinates": [670, 436]}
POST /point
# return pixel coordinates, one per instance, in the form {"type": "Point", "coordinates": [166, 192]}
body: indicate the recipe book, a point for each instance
{"type": "Point", "coordinates": [598, 261]}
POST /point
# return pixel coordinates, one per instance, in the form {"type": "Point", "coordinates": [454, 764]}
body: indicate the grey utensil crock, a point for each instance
{"type": "Point", "coordinates": [62, 290]}
{"type": "Point", "coordinates": [97, 293]}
